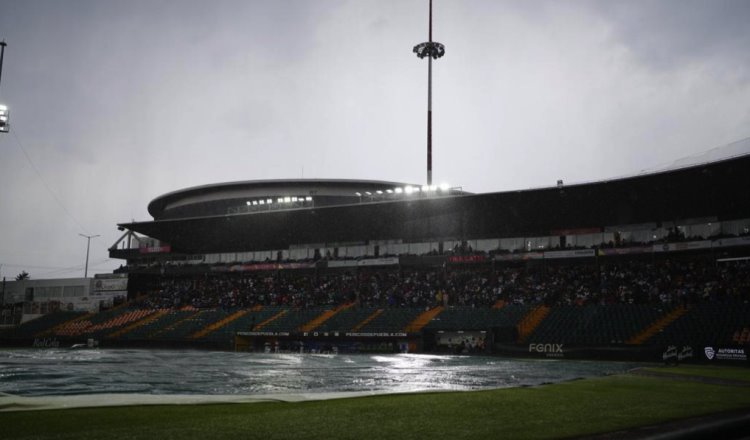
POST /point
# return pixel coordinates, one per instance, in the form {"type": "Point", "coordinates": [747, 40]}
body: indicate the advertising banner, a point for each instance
{"type": "Point", "coordinates": [520, 257]}
{"type": "Point", "coordinates": [108, 284]}
{"type": "Point", "coordinates": [734, 241]}
{"type": "Point", "coordinates": [683, 246]}
{"type": "Point", "coordinates": [725, 354]}
{"type": "Point", "coordinates": [626, 251]}
{"type": "Point", "coordinates": [155, 249]}
{"type": "Point", "coordinates": [461, 259]}
{"type": "Point", "coordinates": [580, 253]}
{"type": "Point", "coordinates": [263, 266]}
{"type": "Point", "coordinates": [388, 261]}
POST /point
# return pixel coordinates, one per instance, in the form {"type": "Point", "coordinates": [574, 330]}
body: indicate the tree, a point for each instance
{"type": "Point", "coordinates": [22, 276]}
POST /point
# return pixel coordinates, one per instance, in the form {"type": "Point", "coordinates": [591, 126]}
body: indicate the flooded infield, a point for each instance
{"type": "Point", "coordinates": [61, 372]}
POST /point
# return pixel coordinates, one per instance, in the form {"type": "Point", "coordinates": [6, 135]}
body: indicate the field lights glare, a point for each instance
{"type": "Point", "coordinates": [287, 200]}
{"type": "Point", "coordinates": [408, 189]}
{"type": "Point", "coordinates": [248, 203]}
{"type": "Point", "coordinates": [398, 190]}
{"type": "Point", "coordinates": [294, 199]}
{"type": "Point", "coordinates": [308, 199]}
{"type": "Point", "coordinates": [358, 194]}
{"type": "Point", "coordinates": [444, 187]}
{"type": "Point", "coordinates": [389, 191]}
{"type": "Point", "coordinates": [255, 203]}
{"type": "Point", "coordinates": [379, 192]}
{"type": "Point", "coordinates": [269, 201]}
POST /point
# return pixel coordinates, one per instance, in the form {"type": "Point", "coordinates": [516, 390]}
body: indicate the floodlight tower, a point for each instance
{"type": "Point", "coordinates": [431, 50]}
{"type": "Point", "coordinates": [4, 126]}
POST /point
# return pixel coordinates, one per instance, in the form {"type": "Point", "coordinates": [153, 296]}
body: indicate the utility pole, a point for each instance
{"type": "Point", "coordinates": [429, 49]}
{"type": "Point", "coordinates": [88, 243]}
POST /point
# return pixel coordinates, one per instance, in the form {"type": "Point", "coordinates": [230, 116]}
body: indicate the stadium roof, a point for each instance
{"type": "Point", "coordinates": [715, 190]}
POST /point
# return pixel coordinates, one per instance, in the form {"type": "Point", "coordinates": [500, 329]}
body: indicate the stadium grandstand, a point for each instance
{"type": "Point", "coordinates": [647, 267]}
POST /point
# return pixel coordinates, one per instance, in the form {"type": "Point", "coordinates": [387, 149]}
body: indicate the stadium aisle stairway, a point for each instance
{"type": "Point", "coordinates": [148, 329]}
{"type": "Point", "coordinates": [367, 320]}
{"type": "Point", "coordinates": [531, 321]}
{"type": "Point", "coordinates": [391, 320]}
{"type": "Point", "coordinates": [323, 317]}
{"type": "Point", "coordinates": [218, 324]}
{"type": "Point", "coordinates": [346, 320]}
{"type": "Point", "coordinates": [269, 320]}
{"type": "Point", "coordinates": [44, 325]}
{"type": "Point", "coordinates": [657, 326]}
{"type": "Point", "coordinates": [423, 319]}
{"type": "Point", "coordinates": [292, 320]}
{"type": "Point", "coordinates": [705, 324]}
{"type": "Point", "coordinates": [147, 319]}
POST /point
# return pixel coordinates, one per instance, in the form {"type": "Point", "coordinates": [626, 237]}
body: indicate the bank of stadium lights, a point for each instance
{"type": "Point", "coordinates": [4, 125]}
{"type": "Point", "coordinates": [280, 201]}
{"type": "Point", "coordinates": [408, 190]}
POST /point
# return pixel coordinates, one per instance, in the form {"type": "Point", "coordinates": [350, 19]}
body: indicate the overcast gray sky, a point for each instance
{"type": "Point", "coordinates": [117, 102]}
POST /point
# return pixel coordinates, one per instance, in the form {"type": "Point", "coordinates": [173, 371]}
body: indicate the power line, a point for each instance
{"type": "Point", "coordinates": [44, 182]}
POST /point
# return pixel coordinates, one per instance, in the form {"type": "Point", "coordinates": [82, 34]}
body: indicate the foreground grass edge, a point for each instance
{"type": "Point", "coordinates": [551, 411]}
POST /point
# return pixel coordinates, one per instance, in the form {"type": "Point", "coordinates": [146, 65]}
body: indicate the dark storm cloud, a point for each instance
{"type": "Point", "coordinates": [671, 34]}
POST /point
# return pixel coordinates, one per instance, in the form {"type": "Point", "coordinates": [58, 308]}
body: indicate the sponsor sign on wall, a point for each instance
{"type": "Point", "coordinates": [725, 354]}
{"type": "Point", "coordinates": [579, 253]}
{"type": "Point", "coordinates": [521, 256]}
{"type": "Point", "coordinates": [109, 284]}
{"type": "Point", "coordinates": [155, 249]}
{"type": "Point", "coordinates": [460, 259]}
{"type": "Point", "coordinates": [263, 266]}
{"type": "Point", "coordinates": [549, 350]}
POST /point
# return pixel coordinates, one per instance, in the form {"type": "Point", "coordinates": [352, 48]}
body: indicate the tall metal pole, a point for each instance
{"type": "Point", "coordinates": [2, 55]}
{"type": "Point", "coordinates": [88, 243]}
{"type": "Point", "coordinates": [429, 49]}
{"type": "Point", "coordinates": [4, 126]}
{"type": "Point", "coordinates": [429, 106]}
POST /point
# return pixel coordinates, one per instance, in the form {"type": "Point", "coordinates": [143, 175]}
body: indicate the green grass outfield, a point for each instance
{"type": "Point", "coordinates": [551, 411]}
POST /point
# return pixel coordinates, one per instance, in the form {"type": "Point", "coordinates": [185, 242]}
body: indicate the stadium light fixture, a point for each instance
{"type": "Point", "coordinates": [4, 125]}
{"type": "Point", "coordinates": [425, 188]}
{"type": "Point", "coordinates": [247, 203]}
{"type": "Point", "coordinates": [368, 193]}
{"type": "Point", "coordinates": [444, 187]}
{"type": "Point", "coordinates": [287, 199]}
{"type": "Point", "coordinates": [379, 191]}
{"type": "Point", "coordinates": [280, 200]}
{"type": "Point", "coordinates": [261, 202]}
{"type": "Point", "coordinates": [408, 189]}
{"type": "Point", "coordinates": [389, 191]}
{"type": "Point", "coordinates": [398, 190]}
{"type": "Point", "coordinates": [255, 203]}
{"type": "Point", "coordinates": [358, 194]}
{"type": "Point", "coordinates": [269, 201]}
{"type": "Point", "coordinates": [308, 199]}
{"type": "Point", "coordinates": [294, 199]}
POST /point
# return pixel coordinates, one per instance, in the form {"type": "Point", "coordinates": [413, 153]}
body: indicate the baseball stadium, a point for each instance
{"type": "Point", "coordinates": [650, 269]}
{"type": "Point", "coordinates": [369, 309]}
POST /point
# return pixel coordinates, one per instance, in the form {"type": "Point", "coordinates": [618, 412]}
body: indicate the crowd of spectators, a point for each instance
{"type": "Point", "coordinates": [484, 285]}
